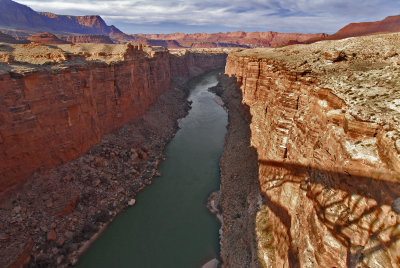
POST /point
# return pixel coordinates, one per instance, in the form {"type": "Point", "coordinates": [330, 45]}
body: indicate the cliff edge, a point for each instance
{"type": "Point", "coordinates": [325, 124]}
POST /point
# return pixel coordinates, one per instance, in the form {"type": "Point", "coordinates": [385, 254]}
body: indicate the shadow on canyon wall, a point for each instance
{"type": "Point", "coordinates": [346, 188]}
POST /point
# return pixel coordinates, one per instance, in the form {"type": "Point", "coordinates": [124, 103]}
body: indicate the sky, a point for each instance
{"type": "Point", "coordinates": [190, 16]}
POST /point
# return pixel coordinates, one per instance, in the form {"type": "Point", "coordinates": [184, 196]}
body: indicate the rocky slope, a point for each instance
{"type": "Point", "coordinates": [239, 38]}
{"type": "Point", "coordinates": [237, 202]}
{"type": "Point", "coordinates": [61, 102]}
{"type": "Point", "coordinates": [325, 124]}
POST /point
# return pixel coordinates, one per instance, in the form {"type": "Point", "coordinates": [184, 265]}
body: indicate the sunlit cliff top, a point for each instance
{"type": "Point", "coordinates": [24, 58]}
{"type": "Point", "coordinates": [362, 71]}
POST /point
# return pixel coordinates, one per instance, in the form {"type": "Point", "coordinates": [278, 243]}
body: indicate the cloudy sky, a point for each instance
{"type": "Point", "coordinates": [163, 16]}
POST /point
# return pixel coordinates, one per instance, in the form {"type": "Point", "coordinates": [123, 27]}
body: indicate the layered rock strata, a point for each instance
{"type": "Point", "coordinates": [60, 101]}
{"type": "Point", "coordinates": [325, 124]}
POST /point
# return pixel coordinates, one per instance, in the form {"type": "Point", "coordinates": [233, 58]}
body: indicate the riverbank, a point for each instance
{"type": "Point", "coordinates": [47, 220]}
{"type": "Point", "coordinates": [169, 225]}
{"type": "Point", "coordinates": [239, 196]}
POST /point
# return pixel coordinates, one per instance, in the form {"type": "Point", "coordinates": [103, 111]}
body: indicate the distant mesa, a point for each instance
{"type": "Point", "coordinates": [47, 38]}
{"type": "Point", "coordinates": [20, 17]}
{"type": "Point", "coordinates": [390, 24]}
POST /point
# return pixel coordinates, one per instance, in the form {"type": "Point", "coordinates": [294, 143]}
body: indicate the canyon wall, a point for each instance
{"type": "Point", "coordinates": [61, 101]}
{"type": "Point", "coordinates": [325, 125]}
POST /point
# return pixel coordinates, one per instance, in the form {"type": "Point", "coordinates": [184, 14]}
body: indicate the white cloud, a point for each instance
{"type": "Point", "coordinates": [284, 15]}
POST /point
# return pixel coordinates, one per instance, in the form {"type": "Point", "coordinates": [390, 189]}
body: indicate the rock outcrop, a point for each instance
{"type": "Point", "coordinates": [325, 123]}
{"type": "Point", "coordinates": [57, 102]}
{"type": "Point", "coordinates": [83, 39]}
{"type": "Point", "coordinates": [47, 38]}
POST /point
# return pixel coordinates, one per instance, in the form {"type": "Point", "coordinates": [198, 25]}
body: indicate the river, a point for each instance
{"type": "Point", "coordinates": [170, 226]}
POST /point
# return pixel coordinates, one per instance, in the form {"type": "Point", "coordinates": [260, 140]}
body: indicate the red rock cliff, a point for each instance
{"type": "Point", "coordinates": [325, 124]}
{"type": "Point", "coordinates": [71, 98]}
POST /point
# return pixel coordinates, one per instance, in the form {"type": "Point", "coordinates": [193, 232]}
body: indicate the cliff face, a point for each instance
{"type": "Point", "coordinates": [71, 98]}
{"type": "Point", "coordinates": [325, 124]}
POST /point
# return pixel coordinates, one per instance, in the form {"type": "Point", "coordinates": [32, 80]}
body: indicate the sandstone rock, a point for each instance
{"type": "Point", "coordinates": [131, 202]}
{"type": "Point", "coordinates": [64, 129]}
{"type": "Point", "coordinates": [328, 169]}
{"type": "Point", "coordinates": [335, 56]}
{"type": "Point", "coordinates": [60, 241]}
{"type": "Point", "coordinates": [60, 259]}
{"type": "Point", "coordinates": [51, 236]}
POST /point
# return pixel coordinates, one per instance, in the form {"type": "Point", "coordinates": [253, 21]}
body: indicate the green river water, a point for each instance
{"type": "Point", "coordinates": [170, 226]}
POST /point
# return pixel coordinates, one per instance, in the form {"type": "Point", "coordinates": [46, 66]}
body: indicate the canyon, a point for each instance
{"type": "Point", "coordinates": [325, 127]}
{"type": "Point", "coordinates": [83, 129]}
{"type": "Point", "coordinates": [64, 96]}
{"type": "Point", "coordinates": [310, 173]}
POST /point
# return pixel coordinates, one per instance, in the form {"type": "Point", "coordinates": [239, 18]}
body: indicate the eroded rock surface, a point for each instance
{"type": "Point", "coordinates": [110, 109]}
{"type": "Point", "coordinates": [325, 124]}
{"type": "Point", "coordinates": [58, 101]}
